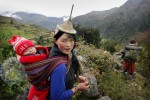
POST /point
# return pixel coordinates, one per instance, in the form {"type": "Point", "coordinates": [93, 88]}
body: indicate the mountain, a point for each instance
{"type": "Point", "coordinates": [9, 26]}
{"type": "Point", "coordinates": [32, 18]}
{"type": "Point", "coordinates": [9, 14]}
{"type": "Point", "coordinates": [119, 23]}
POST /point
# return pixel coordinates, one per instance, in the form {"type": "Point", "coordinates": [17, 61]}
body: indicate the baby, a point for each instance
{"type": "Point", "coordinates": [26, 50]}
{"type": "Point", "coordinates": [27, 53]}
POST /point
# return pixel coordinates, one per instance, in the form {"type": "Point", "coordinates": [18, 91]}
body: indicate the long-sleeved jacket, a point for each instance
{"type": "Point", "coordinates": [35, 58]}
{"type": "Point", "coordinates": [130, 52]}
{"type": "Point", "coordinates": [58, 89]}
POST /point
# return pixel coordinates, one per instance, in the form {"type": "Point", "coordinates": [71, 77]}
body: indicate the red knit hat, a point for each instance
{"type": "Point", "coordinates": [20, 44]}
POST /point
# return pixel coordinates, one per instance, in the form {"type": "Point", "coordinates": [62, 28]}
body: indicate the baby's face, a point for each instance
{"type": "Point", "coordinates": [30, 50]}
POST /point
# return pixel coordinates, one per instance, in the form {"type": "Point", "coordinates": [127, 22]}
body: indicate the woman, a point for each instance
{"type": "Point", "coordinates": [63, 77]}
{"type": "Point", "coordinates": [60, 69]}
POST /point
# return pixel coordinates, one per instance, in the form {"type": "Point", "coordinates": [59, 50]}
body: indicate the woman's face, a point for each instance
{"type": "Point", "coordinates": [65, 43]}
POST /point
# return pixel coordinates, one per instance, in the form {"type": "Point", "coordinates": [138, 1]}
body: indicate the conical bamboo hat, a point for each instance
{"type": "Point", "coordinates": [67, 27]}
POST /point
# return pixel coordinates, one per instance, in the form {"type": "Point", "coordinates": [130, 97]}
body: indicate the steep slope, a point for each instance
{"type": "Point", "coordinates": [92, 18]}
{"type": "Point", "coordinates": [120, 23]}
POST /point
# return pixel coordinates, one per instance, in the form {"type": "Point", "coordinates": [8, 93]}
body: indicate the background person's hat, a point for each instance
{"type": "Point", "coordinates": [20, 44]}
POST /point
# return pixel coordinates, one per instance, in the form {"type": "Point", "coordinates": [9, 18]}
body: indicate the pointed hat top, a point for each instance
{"type": "Point", "coordinates": [67, 25]}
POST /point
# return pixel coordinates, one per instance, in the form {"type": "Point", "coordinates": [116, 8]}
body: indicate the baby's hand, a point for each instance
{"type": "Point", "coordinates": [18, 57]}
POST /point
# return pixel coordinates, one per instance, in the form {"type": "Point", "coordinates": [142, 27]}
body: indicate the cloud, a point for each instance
{"type": "Point", "coordinates": [59, 7]}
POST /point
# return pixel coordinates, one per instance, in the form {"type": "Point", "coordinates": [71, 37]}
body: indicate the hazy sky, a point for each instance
{"type": "Point", "coordinates": [59, 8]}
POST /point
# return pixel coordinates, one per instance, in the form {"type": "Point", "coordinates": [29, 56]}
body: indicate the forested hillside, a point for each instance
{"type": "Point", "coordinates": [119, 23]}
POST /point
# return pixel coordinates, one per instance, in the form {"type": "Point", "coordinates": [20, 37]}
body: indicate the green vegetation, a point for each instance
{"type": "Point", "coordinates": [98, 54]}
{"type": "Point", "coordinates": [14, 82]}
{"type": "Point", "coordinates": [88, 35]}
{"type": "Point", "coordinates": [109, 45]}
{"type": "Point", "coordinates": [111, 82]}
{"type": "Point", "coordinates": [143, 59]}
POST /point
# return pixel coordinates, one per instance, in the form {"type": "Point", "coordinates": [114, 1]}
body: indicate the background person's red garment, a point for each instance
{"type": "Point", "coordinates": [129, 66]}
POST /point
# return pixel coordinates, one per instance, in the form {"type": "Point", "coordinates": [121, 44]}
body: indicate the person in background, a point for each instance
{"type": "Point", "coordinates": [129, 55]}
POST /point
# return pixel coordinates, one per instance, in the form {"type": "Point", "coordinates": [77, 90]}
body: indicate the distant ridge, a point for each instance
{"type": "Point", "coordinates": [33, 18]}
{"type": "Point", "coordinates": [119, 23]}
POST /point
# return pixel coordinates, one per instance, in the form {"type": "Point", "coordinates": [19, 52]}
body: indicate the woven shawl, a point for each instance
{"type": "Point", "coordinates": [38, 72]}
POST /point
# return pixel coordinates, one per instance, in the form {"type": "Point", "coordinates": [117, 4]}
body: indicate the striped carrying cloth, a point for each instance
{"type": "Point", "coordinates": [38, 72]}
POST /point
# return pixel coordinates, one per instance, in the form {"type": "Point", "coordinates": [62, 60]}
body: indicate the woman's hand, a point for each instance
{"type": "Point", "coordinates": [83, 86]}
{"type": "Point", "coordinates": [82, 79]}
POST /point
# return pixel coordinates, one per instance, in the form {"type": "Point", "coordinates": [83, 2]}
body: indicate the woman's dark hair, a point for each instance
{"type": "Point", "coordinates": [60, 33]}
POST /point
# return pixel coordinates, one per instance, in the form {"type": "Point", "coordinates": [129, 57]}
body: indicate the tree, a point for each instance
{"type": "Point", "coordinates": [109, 45]}
{"type": "Point", "coordinates": [89, 35]}
{"type": "Point", "coordinates": [144, 40]}
{"type": "Point", "coordinates": [11, 21]}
